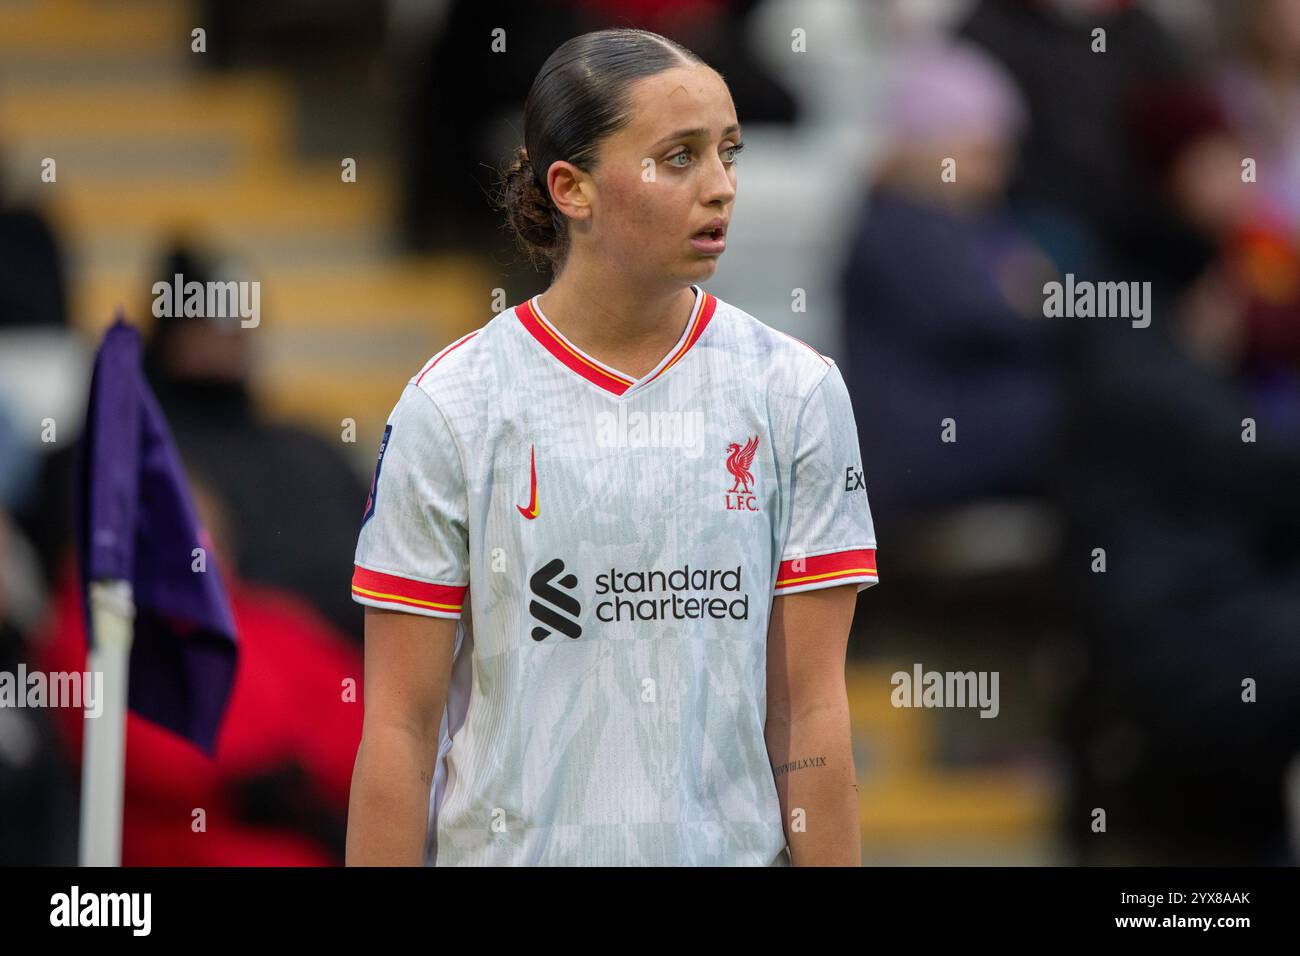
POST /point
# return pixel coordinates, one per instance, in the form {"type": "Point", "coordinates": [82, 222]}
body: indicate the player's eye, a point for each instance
{"type": "Point", "coordinates": [731, 155]}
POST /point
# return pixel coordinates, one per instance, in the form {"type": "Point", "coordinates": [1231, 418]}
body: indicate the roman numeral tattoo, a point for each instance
{"type": "Point", "coordinates": [799, 765]}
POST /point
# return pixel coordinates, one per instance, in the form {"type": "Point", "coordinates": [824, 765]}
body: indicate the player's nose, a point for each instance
{"type": "Point", "coordinates": [718, 184]}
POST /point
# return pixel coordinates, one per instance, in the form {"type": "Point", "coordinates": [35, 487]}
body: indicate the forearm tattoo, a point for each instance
{"type": "Point", "coordinates": [799, 764]}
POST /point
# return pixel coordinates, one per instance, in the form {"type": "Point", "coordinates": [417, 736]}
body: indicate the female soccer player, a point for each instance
{"type": "Point", "coordinates": [615, 536]}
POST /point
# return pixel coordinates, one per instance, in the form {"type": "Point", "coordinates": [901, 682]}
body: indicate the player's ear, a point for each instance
{"type": "Point", "coordinates": [569, 189]}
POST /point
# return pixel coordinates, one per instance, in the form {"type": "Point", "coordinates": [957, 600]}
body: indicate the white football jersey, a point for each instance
{"type": "Point", "coordinates": [611, 548]}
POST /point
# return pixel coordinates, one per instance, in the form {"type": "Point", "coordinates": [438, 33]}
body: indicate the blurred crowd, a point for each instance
{"type": "Point", "coordinates": [1168, 451]}
{"type": "Point", "coordinates": [1014, 152]}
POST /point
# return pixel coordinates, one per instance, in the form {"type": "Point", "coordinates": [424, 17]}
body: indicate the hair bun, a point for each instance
{"type": "Point", "coordinates": [529, 210]}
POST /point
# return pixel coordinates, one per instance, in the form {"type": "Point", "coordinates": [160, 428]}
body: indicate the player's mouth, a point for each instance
{"type": "Point", "coordinates": [712, 239]}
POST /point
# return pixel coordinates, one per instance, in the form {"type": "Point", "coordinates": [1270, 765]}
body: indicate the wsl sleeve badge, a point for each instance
{"type": "Point", "coordinates": [374, 482]}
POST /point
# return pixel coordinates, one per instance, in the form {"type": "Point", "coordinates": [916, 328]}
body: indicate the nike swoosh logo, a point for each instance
{"type": "Point", "coordinates": [531, 511]}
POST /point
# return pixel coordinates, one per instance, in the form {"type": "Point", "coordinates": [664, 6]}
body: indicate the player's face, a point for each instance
{"type": "Point", "coordinates": [657, 187]}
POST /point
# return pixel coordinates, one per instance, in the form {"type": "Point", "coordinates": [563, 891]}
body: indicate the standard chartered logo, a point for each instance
{"type": "Point", "coordinates": [682, 594]}
{"type": "Point", "coordinates": [679, 594]}
{"type": "Point", "coordinates": [548, 601]}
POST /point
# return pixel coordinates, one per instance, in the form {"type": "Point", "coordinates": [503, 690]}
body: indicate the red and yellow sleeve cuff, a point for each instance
{"type": "Point", "coordinates": [827, 570]}
{"type": "Point", "coordinates": [402, 594]}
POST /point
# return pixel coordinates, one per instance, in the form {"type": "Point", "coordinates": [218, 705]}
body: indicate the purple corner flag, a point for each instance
{"type": "Point", "coordinates": [137, 522]}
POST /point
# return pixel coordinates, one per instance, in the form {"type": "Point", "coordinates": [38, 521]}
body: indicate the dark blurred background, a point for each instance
{"type": "Point", "coordinates": [1115, 529]}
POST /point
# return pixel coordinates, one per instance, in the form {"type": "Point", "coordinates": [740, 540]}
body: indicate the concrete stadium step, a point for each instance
{"type": "Point", "coordinates": [128, 259]}
{"type": "Point", "coordinates": [93, 69]}
{"type": "Point", "coordinates": [246, 117]}
{"type": "Point", "coordinates": [907, 801]}
{"type": "Point", "coordinates": [73, 28]}
{"type": "Point", "coordinates": [141, 159]}
{"type": "Point", "coordinates": [353, 343]}
{"type": "Point", "coordinates": [885, 737]}
{"type": "Point", "coordinates": [984, 803]}
{"type": "Point", "coordinates": [284, 202]}
{"type": "Point", "coordinates": [319, 301]}
{"type": "Point", "coordinates": [321, 398]}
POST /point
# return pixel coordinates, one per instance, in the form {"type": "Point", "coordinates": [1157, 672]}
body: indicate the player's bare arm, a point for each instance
{"type": "Point", "coordinates": [807, 730]}
{"type": "Point", "coordinates": [408, 666]}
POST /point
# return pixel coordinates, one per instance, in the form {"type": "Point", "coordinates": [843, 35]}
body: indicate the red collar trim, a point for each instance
{"type": "Point", "coordinates": [597, 372]}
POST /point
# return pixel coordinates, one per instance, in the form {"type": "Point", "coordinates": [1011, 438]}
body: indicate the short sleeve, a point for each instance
{"type": "Point", "coordinates": [831, 538]}
{"type": "Point", "coordinates": [413, 549]}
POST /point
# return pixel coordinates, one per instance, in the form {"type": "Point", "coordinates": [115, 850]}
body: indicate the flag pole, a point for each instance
{"type": "Point", "coordinates": [103, 750]}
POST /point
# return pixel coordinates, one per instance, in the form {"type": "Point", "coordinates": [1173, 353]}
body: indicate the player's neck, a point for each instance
{"type": "Point", "coordinates": [629, 329]}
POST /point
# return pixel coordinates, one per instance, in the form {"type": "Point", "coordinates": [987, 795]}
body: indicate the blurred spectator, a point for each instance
{"type": "Point", "coordinates": [37, 796]}
{"type": "Point", "coordinates": [32, 285]}
{"type": "Point", "coordinates": [462, 88]}
{"type": "Point", "coordinates": [276, 792]}
{"type": "Point", "coordinates": [1201, 587]}
{"type": "Point", "coordinates": [943, 298]}
{"type": "Point", "coordinates": [35, 477]}
{"type": "Point", "coordinates": [1201, 590]}
{"type": "Point", "coordinates": [19, 462]}
{"type": "Point", "coordinates": [1074, 161]}
{"type": "Point", "coordinates": [37, 792]}
{"type": "Point", "coordinates": [1251, 253]}
{"type": "Point", "coordinates": [33, 288]}
{"type": "Point", "coordinates": [295, 501]}
{"type": "Point", "coordinates": [289, 34]}
{"type": "Point", "coordinates": [1261, 86]}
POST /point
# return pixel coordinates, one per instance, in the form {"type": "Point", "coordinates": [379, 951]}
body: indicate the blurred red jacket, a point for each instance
{"type": "Point", "coordinates": [288, 711]}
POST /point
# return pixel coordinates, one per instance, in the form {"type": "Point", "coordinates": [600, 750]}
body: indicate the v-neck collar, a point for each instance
{"type": "Point", "coordinates": [597, 372]}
